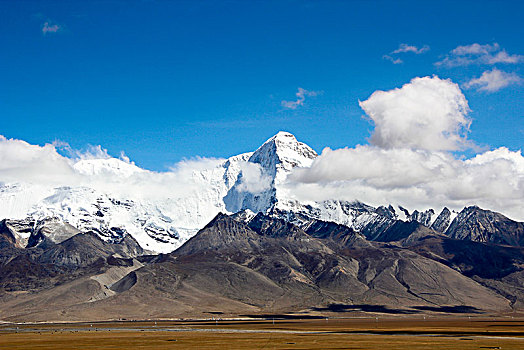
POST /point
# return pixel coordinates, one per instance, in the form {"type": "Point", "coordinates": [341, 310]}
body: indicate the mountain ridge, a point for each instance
{"type": "Point", "coordinates": [252, 181]}
{"type": "Point", "coordinates": [258, 266]}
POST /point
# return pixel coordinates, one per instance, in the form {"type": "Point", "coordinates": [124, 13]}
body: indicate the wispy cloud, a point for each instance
{"type": "Point", "coordinates": [475, 49]}
{"type": "Point", "coordinates": [392, 59]}
{"type": "Point", "coordinates": [47, 27]}
{"type": "Point", "coordinates": [487, 54]}
{"type": "Point", "coordinates": [411, 48]}
{"type": "Point", "coordinates": [493, 80]}
{"type": "Point", "coordinates": [404, 48]}
{"type": "Point", "coordinates": [301, 97]}
{"type": "Point", "coordinates": [89, 152]}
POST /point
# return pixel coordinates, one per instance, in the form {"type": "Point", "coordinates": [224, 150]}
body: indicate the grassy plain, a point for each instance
{"type": "Point", "coordinates": [357, 333]}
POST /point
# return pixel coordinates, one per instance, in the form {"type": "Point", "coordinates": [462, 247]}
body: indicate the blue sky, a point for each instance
{"type": "Point", "coordinates": [164, 81]}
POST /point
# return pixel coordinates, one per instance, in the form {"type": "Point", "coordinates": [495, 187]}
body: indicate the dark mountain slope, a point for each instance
{"type": "Point", "coordinates": [270, 266]}
{"type": "Point", "coordinates": [258, 265]}
{"type": "Point", "coordinates": [50, 264]}
{"type": "Point", "coordinates": [479, 225]}
{"type": "Point", "coordinates": [501, 268]}
{"type": "Point", "coordinates": [84, 249]}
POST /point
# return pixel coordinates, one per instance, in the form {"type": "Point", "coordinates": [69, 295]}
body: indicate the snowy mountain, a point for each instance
{"type": "Point", "coordinates": [249, 183]}
{"type": "Point", "coordinates": [158, 225]}
{"type": "Point", "coordinates": [110, 166]}
{"type": "Point", "coordinates": [275, 159]}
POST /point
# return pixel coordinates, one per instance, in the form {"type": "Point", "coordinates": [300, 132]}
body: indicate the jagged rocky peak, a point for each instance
{"type": "Point", "coordinates": [30, 233]}
{"type": "Point", "coordinates": [283, 151]}
{"type": "Point", "coordinates": [16, 232]}
{"type": "Point", "coordinates": [480, 225]}
{"type": "Point", "coordinates": [442, 221]}
{"type": "Point", "coordinates": [274, 227]}
{"type": "Point", "coordinates": [221, 233]}
{"type": "Point", "coordinates": [388, 212]}
{"type": "Point", "coordinates": [424, 217]}
{"type": "Point", "coordinates": [244, 216]}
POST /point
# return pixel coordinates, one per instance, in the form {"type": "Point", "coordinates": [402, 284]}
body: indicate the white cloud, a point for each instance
{"type": "Point", "coordinates": [411, 48]}
{"type": "Point", "coordinates": [21, 161]}
{"type": "Point", "coordinates": [427, 113]}
{"type": "Point", "coordinates": [475, 49]}
{"type": "Point", "coordinates": [90, 152]}
{"type": "Point", "coordinates": [404, 48]}
{"type": "Point", "coordinates": [478, 54]}
{"type": "Point", "coordinates": [48, 27]}
{"type": "Point", "coordinates": [504, 57]}
{"type": "Point", "coordinates": [409, 162]}
{"type": "Point", "coordinates": [301, 97]}
{"type": "Point", "coordinates": [123, 157]}
{"type": "Point", "coordinates": [392, 59]}
{"type": "Point", "coordinates": [253, 179]}
{"type": "Point", "coordinates": [416, 179]}
{"type": "Point", "coordinates": [493, 80]}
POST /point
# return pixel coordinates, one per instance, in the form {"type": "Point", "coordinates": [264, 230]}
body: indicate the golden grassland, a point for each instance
{"type": "Point", "coordinates": [361, 333]}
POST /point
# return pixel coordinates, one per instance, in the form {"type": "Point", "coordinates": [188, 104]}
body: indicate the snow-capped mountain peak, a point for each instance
{"type": "Point", "coordinates": [106, 166]}
{"type": "Point", "coordinates": [276, 158]}
{"type": "Point", "coordinates": [283, 152]}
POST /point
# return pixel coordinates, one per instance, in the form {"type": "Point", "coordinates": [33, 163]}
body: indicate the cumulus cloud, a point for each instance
{"type": "Point", "coordinates": [427, 113]}
{"type": "Point", "coordinates": [21, 161]}
{"type": "Point", "coordinates": [301, 97]}
{"type": "Point", "coordinates": [47, 27]}
{"type": "Point", "coordinates": [493, 80]}
{"type": "Point", "coordinates": [123, 157]}
{"type": "Point", "coordinates": [416, 179]}
{"type": "Point", "coordinates": [410, 160]}
{"type": "Point", "coordinates": [488, 54]}
{"type": "Point", "coordinates": [404, 48]}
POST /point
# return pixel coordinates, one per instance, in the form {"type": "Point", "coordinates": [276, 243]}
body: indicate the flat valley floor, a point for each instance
{"type": "Point", "coordinates": [350, 333]}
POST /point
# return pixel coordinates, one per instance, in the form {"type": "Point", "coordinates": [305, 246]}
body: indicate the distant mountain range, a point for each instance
{"type": "Point", "coordinates": [161, 226]}
{"type": "Point", "coordinates": [236, 246]}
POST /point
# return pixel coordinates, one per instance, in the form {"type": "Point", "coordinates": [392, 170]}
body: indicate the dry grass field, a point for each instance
{"type": "Point", "coordinates": [361, 333]}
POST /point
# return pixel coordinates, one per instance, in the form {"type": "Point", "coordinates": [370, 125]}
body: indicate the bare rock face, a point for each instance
{"type": "Point", "coordinates": [85, 249]}
{"type": "Point", "coordinates": [442, 221]}
{"type": "Point", "coordinates": [16, 232]}
{"type": "Point", "coordinates": [479, 225]}
{"type": "Point", "coordinates": [50, 231]}
{"type": "Point", "coordinates": [424, 217]}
